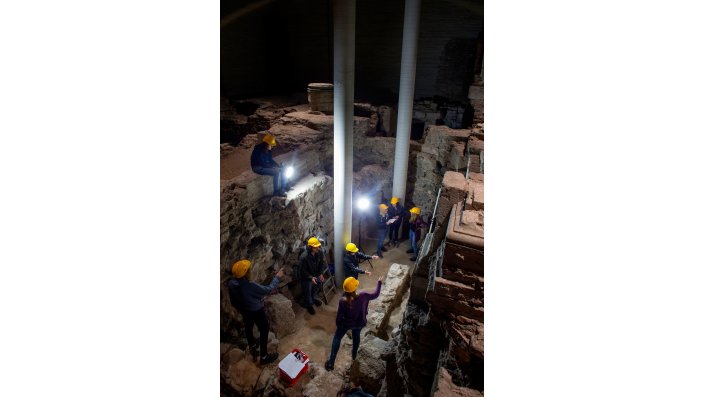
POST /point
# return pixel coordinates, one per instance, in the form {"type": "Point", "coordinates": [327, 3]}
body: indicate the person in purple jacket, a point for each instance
{"type": "Point", "coordinates": [352, 314]}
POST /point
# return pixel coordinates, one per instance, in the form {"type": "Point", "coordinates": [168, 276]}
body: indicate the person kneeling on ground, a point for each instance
{"type": "Point", "coordinates": [351, 261]}
{"type": "Point", "coordinates": [247, 297]}
{"type": "Point", "coordinates": [262, 163]}
{"type": "Point", "coordinates": [312, 265]}
{"type": "Point", "coordinates": [352, 314]}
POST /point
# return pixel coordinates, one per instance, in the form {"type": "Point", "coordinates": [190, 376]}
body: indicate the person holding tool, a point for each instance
{"type": "Point", "coordinates": [247, 297]}
{"type": "Point", "coordinates": [312, 265]}
{"type": "Point", "coordinates": [351, 261]}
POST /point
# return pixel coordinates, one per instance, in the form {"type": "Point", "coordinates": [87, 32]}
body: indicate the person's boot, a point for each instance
{"type": "Point", "coordinates": [413, 259]}
{"type": "Point", "coordinates": [317, 302]}
{"type": "Point", "coordinates": [263, 360]}
{"type": "Point", "coordinates": [311, 310]}
{"type": "Point", "coordinates": [409, 251]}
{"type": "Point", "coordinates": [328, 365]}
{"type": "Point", "coordinates": [253, 351]}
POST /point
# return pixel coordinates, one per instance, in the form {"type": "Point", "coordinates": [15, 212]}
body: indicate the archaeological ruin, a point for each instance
{"type": "Point", "coordinates": [365, 100]}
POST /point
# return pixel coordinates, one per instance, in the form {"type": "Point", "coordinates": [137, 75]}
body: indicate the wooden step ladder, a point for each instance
{"type": "Point", "coordinates": [329, 288]}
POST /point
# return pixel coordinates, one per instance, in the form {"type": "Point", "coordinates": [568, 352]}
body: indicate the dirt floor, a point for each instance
{"type": "Point", "coordinates": [315, 334]}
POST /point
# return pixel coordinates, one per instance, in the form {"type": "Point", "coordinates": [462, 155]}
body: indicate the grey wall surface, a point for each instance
{"type": "Point", "coordinates": [285, 44]}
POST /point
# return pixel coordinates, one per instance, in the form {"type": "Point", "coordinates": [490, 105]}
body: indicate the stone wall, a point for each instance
{"type": "Point", "coordinates": [289, 44]}
{"type": "Point", "coordinates": [443, 149]}
{"type": "Point", "coordinates": [272, 232]}
{"type": "Point", "coordinates": [445, 314]}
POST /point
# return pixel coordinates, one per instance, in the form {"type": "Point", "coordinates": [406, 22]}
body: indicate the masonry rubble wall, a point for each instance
{"type": "Point", "coordinates": [447, 298]}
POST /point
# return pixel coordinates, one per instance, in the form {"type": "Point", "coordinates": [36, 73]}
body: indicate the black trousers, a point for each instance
{"type": "Point", "coordinates": [258, 318]}
{"type": "Point", "coordinates": [309, 290]}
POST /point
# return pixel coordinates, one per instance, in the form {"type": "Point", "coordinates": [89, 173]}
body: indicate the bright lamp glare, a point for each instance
{"type": "Point", "coordinates": [363, 203]}
{"type": "Point", "coordinates": [289, 172]}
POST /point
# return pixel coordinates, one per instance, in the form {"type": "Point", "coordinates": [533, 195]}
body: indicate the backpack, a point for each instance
{"type": "Point", "coordinates": [235, 294]}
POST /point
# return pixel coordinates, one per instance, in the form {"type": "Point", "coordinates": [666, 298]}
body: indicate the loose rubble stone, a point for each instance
{"type": "Point", "coordinates": [368, 368]}
{"type": "Point", "coordinates": [322, 383]}
{"type": "Point", "coordinates": [281, 315]}
{"type": "Point", "coordinates": [446, 387]}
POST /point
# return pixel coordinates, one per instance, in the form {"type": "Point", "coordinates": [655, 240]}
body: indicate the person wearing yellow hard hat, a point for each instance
{"type": "Point", "coordinates": [396, 212]}
{"type": "Point", "coordinates": [352, 315]}
{"type": "Point", "coordinates": [383, 223]}
{"type": "Point", "coordinates": [312, 265]}
{"type": "Point", "coordinates": [416, 223]}
{"type": "Point", "coordinates": [351, 261]}
{"type": "Point", "coordinates": [247, 297]}
{"type": "Point", "coordinates": [262, 163]}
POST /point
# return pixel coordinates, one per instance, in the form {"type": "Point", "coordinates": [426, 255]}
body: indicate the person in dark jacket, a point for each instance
{"type": "Point", "coordinates": [262, 163]}
{"type": "Point", "coordinates": [383, 223]}
{"type": "Point", "coordinates": [415, 226]}
{"type": "Point", "coordinates": [351, 261]}
{"type": "Point", "coordinates": [247, 297]}
{"type": "Point", "coordinates": [311, 266]}
{"type": "Point", "coordinates": [352, 315]}
{"type": "Point", "coordinates": [396, 211]}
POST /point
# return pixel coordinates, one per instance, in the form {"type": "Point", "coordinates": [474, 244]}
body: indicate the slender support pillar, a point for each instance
{"type": "Point", "coordinates": [406, 97]}
{"type": "Point", "coordinates": [343, 85]}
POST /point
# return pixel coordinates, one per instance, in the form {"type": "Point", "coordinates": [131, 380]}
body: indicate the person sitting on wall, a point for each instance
{"type": "Point", "coordinates": [416, 223]}
{"type": "Point", "coordinates": [396, 211]}
{"type": "Point", "coordinates": [247, 297]}
{"type": "Point", "coordinates": [351, 261]}
{"type": "Point", "coordinates": [262, 163]}
{"type": "Point", "coordinates": [383, 223]}
{"type": "Point", "coordinates": [352, 314]}
{"type": "Point", "coordinates": [311, 266]}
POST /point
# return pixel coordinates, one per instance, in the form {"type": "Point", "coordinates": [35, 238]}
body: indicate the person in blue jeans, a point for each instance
{"type": "Point", "coordinates": [383, 222]}
{"type": "Point", "coordinates": [415, 226]}
{"type": "Point", "coordinates": [262, 163]}
{"type": "Point", "coordinates": [352, 315]}
{"type": "Point", "coordinates": [396, 211]}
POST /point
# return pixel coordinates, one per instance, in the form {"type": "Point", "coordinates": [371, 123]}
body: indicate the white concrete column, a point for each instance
{"type": "Point", "coordinates": [343, 86]}
{"type": "Point", "coordinates": [406, 97]}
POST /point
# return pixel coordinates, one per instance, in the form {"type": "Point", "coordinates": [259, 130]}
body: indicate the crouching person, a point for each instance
{"type": "Point", "coordinates": [247, 297]}
{"type": "Point", "coordinates": [352, 314]}
{"type": "Point", "coordinates": [312, 265]}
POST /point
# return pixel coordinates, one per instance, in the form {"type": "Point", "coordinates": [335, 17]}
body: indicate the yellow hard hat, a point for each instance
{"type": "Point", "coordinates": [415, 210]}
{"type": "Point", "coordinates": [241, 267]}
{"type": "Point", "coordinates": [383, 206]}
{"type": "Point", "coordinates": [269, 138]}
{"type": "Point", "coordinates": [350, 284]}
{"type": "Point", "coordinates": [394, 200]}
{"type": "Point", "coordinates": [351, 248]}
{"type": "Point", "coordinates": [313, 242]}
